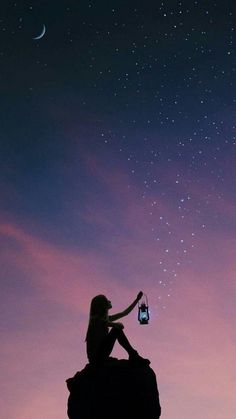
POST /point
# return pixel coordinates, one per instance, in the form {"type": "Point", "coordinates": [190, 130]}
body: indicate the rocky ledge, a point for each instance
{"type": "Point", "coordinates": [118, 389]}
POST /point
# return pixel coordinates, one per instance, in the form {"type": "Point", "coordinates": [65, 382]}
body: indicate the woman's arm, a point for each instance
{"type": "Point", "coordinates": [124, 313]}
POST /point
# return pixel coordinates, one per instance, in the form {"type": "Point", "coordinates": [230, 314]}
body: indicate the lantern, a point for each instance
{"type": "Point", "coordinates": [143, 313]}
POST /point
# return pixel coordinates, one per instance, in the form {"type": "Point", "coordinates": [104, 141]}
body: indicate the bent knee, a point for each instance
{"type": "Point", "coordinates": [116, 331]}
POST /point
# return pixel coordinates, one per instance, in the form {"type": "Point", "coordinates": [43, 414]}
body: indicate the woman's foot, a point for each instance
{"type": "Point", "coordinates": [136, 359]}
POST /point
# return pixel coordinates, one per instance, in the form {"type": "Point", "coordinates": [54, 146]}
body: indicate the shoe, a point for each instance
{"type": "Point", "coordinates": [136, 359]}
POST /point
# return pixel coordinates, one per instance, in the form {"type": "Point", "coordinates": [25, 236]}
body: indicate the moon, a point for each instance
{"type": "Point", "coordinates": [41, 34]}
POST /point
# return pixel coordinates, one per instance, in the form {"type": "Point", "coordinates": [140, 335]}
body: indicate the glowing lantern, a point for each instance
{"type": "Point", "coordinates": [143, 313]}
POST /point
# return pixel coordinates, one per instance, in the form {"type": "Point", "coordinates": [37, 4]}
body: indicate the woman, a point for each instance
{"type": "Point", "coordinates": [103, 331]}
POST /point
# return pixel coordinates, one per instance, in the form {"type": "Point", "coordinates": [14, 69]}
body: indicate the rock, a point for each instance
{"type": "Point", "coordinates": [115, 390]}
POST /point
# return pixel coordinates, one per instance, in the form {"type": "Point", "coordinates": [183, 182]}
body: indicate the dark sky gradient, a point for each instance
{"type": "Point", "coordinates": [117, 148]}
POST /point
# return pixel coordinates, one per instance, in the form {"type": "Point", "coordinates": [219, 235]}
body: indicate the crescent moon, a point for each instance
{"type": "Point", "coordinates": [41, 34]}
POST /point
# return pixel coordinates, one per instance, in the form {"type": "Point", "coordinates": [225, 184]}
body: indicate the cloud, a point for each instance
{"type": "Point", "coordinates": [192, 348]}
{"type": "Point", "coordinates": [47, 287]}
{"type": "Point", "coordinates": [64, 275]}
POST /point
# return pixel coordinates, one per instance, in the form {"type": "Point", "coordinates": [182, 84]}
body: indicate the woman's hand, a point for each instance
{"type": "Point", "coordinates": [139, 296]}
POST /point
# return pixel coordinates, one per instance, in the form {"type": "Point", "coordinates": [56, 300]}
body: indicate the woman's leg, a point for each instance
{"type": "Point", "coordinates": [123, 341]}
{"type": "Point", "coordinates": [108, 344]}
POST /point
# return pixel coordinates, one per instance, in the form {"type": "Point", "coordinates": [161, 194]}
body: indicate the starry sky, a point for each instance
{"type": "Point", "coordinates": [118, 174]}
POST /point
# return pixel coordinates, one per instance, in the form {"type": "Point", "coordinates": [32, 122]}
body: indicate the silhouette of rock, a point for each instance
{"type": "Point", "coordinates": [115, 390]}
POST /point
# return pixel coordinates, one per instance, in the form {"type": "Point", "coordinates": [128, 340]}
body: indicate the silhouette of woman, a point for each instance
{"type": "Point", "coordinates": [103, 331]}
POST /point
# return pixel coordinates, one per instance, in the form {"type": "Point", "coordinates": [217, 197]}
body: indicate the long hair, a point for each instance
{"type": "Point", "coordinates": [98, 309]}
{"type": "Point", "coordinates": [98, 306]}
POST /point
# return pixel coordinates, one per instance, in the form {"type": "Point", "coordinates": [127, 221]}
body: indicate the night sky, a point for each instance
{"type": "Point", "coordinates": [118, 174]}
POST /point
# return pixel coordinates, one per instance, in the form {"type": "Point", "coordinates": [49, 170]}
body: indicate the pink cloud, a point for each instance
{"type": "Point", "coordinates": [191, 344]}
{"type": "Point", "coordinates": [192, 348]}
{"type": "Point", "coordinates": [61, 274]}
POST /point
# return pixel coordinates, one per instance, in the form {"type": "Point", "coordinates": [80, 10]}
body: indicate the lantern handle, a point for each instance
{"type": "Point", "coordinates": [139, 304]}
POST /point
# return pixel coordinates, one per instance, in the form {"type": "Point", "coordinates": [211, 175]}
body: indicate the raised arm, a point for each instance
{"type": "Point", "coordinates": [124, 313]}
